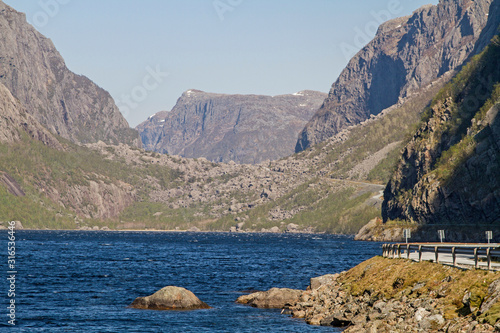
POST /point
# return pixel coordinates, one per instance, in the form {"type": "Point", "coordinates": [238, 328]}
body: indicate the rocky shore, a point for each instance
{"type": "Point", "coordinates": [397, 295]}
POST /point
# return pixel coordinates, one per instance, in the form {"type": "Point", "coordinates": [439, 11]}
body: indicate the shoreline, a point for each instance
{"type": "Point", "coordinates": [187, 231]}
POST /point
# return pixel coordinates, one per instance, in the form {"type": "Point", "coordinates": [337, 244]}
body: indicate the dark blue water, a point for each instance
{"type": "Point", "coordinates": [84, 281]}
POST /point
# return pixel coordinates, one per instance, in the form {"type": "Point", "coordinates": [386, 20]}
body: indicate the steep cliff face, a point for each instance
{"type": "Point", "coordinates": [449, 172]}
{"type": "Point", "coordinates": [14, 120]}
{"type": "Point", "coordinates": [67, 104]}
{"type": "Point", "coordinates": [222, 128]}
{"type": "Point", "coordinates": [405, 55]}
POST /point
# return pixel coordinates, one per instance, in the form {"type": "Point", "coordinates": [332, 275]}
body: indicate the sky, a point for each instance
{"type": "Point", "coordinates": [147, 53]}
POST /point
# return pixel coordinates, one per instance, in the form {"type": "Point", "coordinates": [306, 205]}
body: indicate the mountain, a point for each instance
{"type": "Point", "coordinates": [67, 104]}
{"type": "Point", "coordinates": [222, 128]}
{"type": "Point", "coordinates": [449, 172]}
{"type": "Point", "coordinates": [406, 54]}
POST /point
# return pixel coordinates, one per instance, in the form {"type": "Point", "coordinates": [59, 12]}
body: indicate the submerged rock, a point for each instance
{"type": "Point", "coordinates": [275, 298]}
{"type": "Point", "coordinates": [170, 298]}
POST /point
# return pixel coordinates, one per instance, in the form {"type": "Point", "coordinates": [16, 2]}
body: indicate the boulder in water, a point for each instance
{"type": "Point", "coordinates": [170, 298]}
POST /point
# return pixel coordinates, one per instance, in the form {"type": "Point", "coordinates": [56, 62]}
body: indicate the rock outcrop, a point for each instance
{"type": "Point", "coordinates": [66, 104]}
{"type": "Point", "coordinates": [98, 199]}
{"type": "Point", "coordinates": [12, 186]}
{"type": "Point", "coordinates": [405, 55]}
{"type": "Point", "coordinates": [275, 298]}
{"type": "Point", "coordinates": [170, 298]}
{"type": "Point", "coordinates": [322, 280]}
{"type": "Point", "coordinates": [449, 172]}
{"type": "Point", "coordinates": [241, 128]}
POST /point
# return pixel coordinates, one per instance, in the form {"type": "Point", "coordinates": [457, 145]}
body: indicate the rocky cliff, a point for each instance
{"type": "Point", "coordinates": [406, 54]}
{"type": "Point", "coordinates": [223, 128]}
{"type": "Point", "coordinates": [67, 104]}
{"type": "Point", "coordinates": [449, 172]}
{"type": "Point", "coordinates": [14, 121]}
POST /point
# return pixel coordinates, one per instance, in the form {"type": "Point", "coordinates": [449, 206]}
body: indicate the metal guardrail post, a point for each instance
{"type": "Point", "coordinates": [476, 258]}
{"type": "Point", "coordinates": [399, 251]}
{"type": "Point", "coordinates": [436, 253]}
{"type": "Point", "coordinates": [488, 255]}
{"type": "Point", "coordinates": [454, 255]}
{"type": "Point", "coordinates": [407, 251]}
{"type": "Point", "coordinates": [419, 253]}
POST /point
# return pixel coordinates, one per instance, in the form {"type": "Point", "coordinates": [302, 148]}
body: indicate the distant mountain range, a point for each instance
{"type": "Point", "coordinates": [222, 128]}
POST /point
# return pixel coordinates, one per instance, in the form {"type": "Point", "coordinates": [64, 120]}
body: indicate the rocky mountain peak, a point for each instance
{"type": "Point", "coordinates": [407, 54]}
{"type": "Point", "coordinates": [67, 104]}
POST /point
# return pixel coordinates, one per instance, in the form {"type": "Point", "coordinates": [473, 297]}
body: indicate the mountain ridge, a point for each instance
{"type": "Point", "coordinates": [230, 127]}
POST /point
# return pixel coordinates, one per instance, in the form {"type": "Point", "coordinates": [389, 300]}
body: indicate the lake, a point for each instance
{"type": "Point", "coordinates": [76, 281]}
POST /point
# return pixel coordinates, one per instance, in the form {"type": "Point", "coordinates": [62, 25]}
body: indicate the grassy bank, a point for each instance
{"type": "Point", "coordinates": [396, 278]}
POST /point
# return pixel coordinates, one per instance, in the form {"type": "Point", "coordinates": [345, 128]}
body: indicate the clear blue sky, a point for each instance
{"type": "Point", "coordinates": [266, 47]}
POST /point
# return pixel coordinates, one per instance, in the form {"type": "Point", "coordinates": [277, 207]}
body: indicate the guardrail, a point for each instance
{"type": "Point", "coordinates": [468, 253]}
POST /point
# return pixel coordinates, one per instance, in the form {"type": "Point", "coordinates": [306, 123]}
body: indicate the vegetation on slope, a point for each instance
{"type": "Point", "coordinates": [47, 174]}
{"type": "Point", "coordinates": [473, 92]}
{"type": "Point", "coordinates": [396, 127]}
